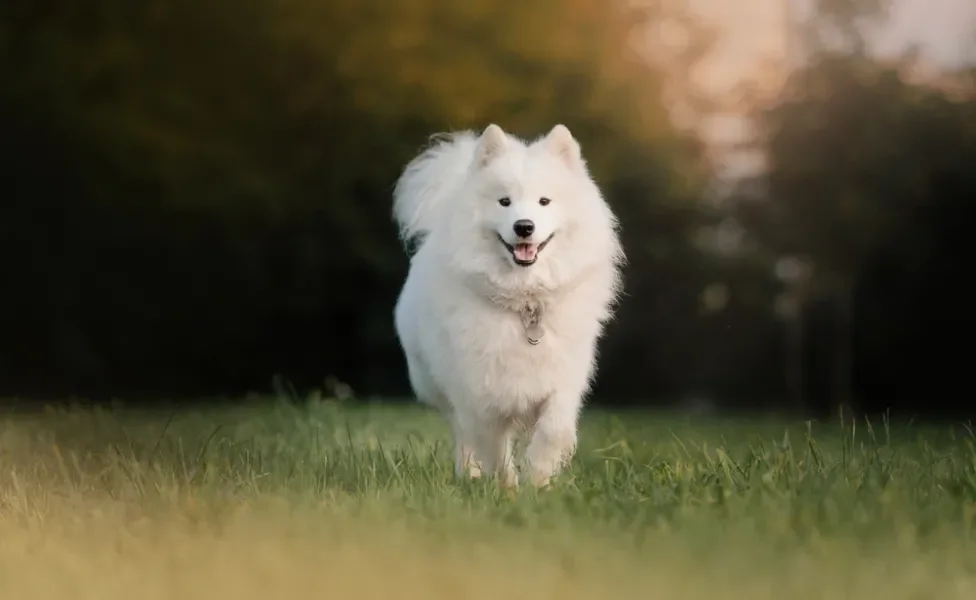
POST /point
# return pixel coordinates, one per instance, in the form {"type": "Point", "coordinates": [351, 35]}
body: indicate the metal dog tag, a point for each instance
{"type": "Point", "coordinates": [531, 315]}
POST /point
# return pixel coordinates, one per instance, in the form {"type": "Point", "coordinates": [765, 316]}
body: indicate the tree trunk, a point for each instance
{"type": "Point", "coordinates": [843, 341]}
{"type": "Point", "coordinates": [795, 342]}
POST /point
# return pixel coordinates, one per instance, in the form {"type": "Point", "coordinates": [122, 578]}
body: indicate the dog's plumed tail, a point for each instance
{"type": "Point", "coordinates": [427, 182]}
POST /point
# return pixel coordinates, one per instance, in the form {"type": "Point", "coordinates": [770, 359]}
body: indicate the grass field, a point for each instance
{"type": "Point", "coordinates": [326, 501]}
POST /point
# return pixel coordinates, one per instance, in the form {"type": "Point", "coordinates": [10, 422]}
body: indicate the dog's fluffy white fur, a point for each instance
{"type": "Point", "coordinates": [459, 315]}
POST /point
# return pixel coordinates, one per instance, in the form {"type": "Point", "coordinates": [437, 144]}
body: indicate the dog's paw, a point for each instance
{"type": "Point", "coordinates": [541, 480]}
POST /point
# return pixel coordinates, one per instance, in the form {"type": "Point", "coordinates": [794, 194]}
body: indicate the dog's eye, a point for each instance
{"type": "Point", "coordinates": [505, 201]}
{"type": "Point", "coordinates": [544, 201]}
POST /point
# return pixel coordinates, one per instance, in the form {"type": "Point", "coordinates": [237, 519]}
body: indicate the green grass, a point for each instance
{"type": "Point", "coordinates": [330, 501]}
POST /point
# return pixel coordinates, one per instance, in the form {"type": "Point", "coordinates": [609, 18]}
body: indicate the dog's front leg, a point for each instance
{"type": "Point", "coordinates": [484, 445]}
{"type": "Point", "coordinates": [465, 459]}
{"type": "Point", "coordinates": [553, 439]}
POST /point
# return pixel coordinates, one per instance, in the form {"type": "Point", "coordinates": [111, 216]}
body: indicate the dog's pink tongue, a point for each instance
{"type": "Point", "coordinates": [525, 252]}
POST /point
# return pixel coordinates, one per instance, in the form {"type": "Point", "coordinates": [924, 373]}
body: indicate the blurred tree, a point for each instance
{"type": "Point", "coordinates": [805, 228]}
{"type": "Point", "coordinates": [854, 156]}
{"type": "Point", "coordinates": [198, 195]}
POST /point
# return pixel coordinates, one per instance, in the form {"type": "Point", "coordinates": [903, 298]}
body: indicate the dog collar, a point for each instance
{"type": "Point", "coordinates": [531, 315]}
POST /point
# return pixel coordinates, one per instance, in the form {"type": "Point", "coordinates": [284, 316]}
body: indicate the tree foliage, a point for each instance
{"type": "Point", "coordinates": [199, 193]}
{"type": "Point", "coordinates": [867, 180]}
{"type": "Point", "coordinates": [196, 196]}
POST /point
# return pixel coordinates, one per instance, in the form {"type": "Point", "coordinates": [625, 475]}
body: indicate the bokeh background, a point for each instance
{"type": "Point", "coordinates": [195, 196]}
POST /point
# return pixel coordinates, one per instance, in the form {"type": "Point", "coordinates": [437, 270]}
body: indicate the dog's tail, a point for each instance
{"type": "Point", "coordinates": [427, 182]}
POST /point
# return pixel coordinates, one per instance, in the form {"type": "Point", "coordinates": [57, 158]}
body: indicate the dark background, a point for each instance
{"type": "Point", "coordinates": [195, 199]}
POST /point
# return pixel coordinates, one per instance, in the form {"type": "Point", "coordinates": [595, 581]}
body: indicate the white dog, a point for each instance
{"type": "Point", "coordinates": [517, 270]}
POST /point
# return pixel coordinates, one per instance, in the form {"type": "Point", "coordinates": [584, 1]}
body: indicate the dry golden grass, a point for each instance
{"type": "Point", "coordinates": [97, 550]}
{"type": "Point", "coordinates": [104, 506]}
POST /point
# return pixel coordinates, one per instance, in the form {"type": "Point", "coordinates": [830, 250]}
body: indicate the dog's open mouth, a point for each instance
{"type": "Point", "coordinates": [525, 253]}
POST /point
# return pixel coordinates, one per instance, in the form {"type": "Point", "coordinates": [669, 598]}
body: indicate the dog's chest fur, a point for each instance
{"type": "Point", "coordinates": [494, 360]}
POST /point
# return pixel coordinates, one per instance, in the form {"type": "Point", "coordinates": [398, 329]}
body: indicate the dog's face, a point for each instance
{"type": "Point", "coordinates": [528, 195]}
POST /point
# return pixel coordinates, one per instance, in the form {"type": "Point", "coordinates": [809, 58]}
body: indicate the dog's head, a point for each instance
{"type": "Point", "coordinates": [526, 216]}
{"type": "Point", "coordinates": [530, 195]}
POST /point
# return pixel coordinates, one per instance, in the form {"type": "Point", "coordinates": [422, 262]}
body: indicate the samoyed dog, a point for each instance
{"type": "Point", "coordinates": [516, 271]}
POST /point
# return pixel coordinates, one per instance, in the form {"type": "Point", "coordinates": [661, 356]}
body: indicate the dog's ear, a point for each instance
{"type": "Point", "coordinates": [563, 145]}
{"type": "Point", "coordinates": [492, 143]}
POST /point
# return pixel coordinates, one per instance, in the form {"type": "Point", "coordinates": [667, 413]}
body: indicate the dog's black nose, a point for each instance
{"type": "Point", "coordinates": [523, 228]}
